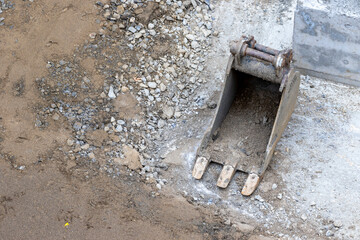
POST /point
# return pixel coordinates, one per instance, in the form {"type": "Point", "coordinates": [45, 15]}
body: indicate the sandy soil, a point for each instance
{"type": "Point", "coordinates": [51, 198]}
{"type": "Point", "coordinates": [37, 204]}
{"type": "Point", "coordinates": [52, 189]}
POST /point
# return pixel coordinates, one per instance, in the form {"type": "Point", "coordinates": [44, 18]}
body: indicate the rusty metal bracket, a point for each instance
{"type": "Point", "coordinates": [261, 61]}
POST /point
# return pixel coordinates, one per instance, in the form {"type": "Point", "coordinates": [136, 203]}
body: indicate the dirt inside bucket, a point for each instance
{"type": "Point", "coordinates": [244, 133]}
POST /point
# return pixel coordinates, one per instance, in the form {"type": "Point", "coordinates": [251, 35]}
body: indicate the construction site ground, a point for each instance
{"type": "Point", "coordinates": [104, 103]}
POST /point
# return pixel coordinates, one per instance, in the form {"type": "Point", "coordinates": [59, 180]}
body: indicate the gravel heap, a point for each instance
{"type": "Point", "coordinates": [5, 5]}
{"type": "Point", "coordinates": [150, 57]}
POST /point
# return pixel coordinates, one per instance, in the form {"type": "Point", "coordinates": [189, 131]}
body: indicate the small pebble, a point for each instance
{"type": "Point", "coordinates": [152, 84]}
{"type": "Point", "coordinates": [55, 117]}
{"type": "Point", "coordinates": [338, 224]}
{"type": "Point", "coordinates": [85, 146]}
{"type": "Point", "coordinates": [329, 233]}
{"type": "Point", "coordinates": [111, 93]}
{"type": "Point", "coordinates": [70, 142]}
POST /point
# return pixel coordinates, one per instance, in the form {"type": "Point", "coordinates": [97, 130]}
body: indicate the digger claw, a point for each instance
{"type": "Point", "coordinates": [200, 167]}
{"type": "Point", "coordinates": [226, 175]}
{"type": "Point", "coordinates": [251, 184]}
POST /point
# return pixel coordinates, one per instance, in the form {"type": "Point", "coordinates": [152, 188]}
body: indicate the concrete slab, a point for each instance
{"type": "Point", "coordinates": [326, 42]}
{"type": "Point", "coordinates": [312, 182]}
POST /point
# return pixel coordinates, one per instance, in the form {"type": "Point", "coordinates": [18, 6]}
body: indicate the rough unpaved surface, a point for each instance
{"type": "Point", "coordinates": [61, 172]}
{"type": "Point", "coordinates": [37, 204]}
{"type": "Point", "coordinates": [103, 105]}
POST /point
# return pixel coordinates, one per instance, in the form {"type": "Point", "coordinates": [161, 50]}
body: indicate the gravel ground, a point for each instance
{"type": "Point", "coordinates": [121, 100]}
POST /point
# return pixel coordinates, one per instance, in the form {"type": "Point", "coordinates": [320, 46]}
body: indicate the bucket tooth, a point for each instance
{"type": "Point", "coordinates": [251, 184]}
{"type": "Point", "coordinates": [200, 167]}
{"type": "Point", "coordinates": [226, 175]}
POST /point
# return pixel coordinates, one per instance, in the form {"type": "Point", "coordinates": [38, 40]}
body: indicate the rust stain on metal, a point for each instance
{"type": "Point", "coordinates": [266, 49]}
{"type": "Point", "coordinates": [258, 54]}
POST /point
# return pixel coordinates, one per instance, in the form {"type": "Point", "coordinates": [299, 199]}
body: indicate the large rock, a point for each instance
{"type": "Point", "coordinates": [168, 112]}
{"type": "Point", "coordinates": [244, 228]}
{"type": "Point", "coordinates": [131, 160]}
{"type": "Point", "coordinates": [259, 237]}
{"type": "Point", "coordinates": [97, 137]}
{"type": "Point", "coordinates": [150, 12]}
{"type": "Point", "coordinates": [127, 106]}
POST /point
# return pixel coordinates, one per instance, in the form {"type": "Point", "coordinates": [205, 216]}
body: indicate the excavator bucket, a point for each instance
{"type": "Point", "coordinates": [257, 99]}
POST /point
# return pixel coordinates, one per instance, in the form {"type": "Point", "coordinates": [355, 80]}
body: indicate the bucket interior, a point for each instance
{"type": "Point", "coordinates": [245, 131]}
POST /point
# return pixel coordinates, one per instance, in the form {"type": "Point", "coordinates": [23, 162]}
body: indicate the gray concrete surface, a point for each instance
{"type": "Point", "coordinates": [334, 7]}
{"type": "Point", "coordinates": [311, 189]}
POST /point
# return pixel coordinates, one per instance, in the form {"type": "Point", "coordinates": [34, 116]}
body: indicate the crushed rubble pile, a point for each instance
{"type": "Point", "coordinates": [149, 58]}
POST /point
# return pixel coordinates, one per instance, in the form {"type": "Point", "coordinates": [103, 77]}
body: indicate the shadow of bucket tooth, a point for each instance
{"type": "Point", "coordinates": [257, 99]}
